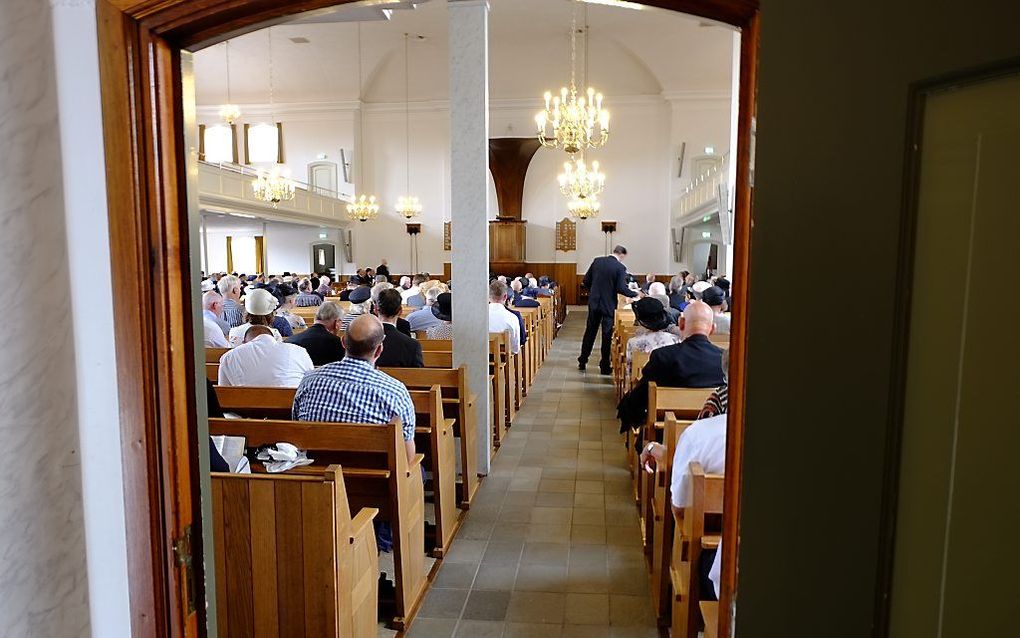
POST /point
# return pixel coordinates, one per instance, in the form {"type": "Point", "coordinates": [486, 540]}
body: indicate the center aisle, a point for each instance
{"type": "Point", "coordinates": [551, 546]}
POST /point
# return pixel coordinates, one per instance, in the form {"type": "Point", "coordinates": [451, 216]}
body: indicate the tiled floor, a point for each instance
{"type": "Point", "coordinates": [551, 547]}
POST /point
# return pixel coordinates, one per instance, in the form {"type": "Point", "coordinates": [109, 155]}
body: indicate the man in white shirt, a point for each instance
{"type": "Point", "coordinates": [212, 321]}
{"type": "Point", "coordinates": [704, 442]}
{"type": "Point", "coordinates": [414, 290]}
{"type": "Point", "coordinates": [501, 319]}
{"type": "Point", "coordinates": [263, 362]}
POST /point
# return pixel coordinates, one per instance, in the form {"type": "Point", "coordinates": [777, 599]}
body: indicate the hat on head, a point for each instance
{"type": "Point", "coordinates": [252, 277]}
{"type": "Point", "coordinates": [650, 313]}
{"type": "Point", "coordinates": [700, 287]}
{"type": "Point", "coordinates": [361, 294]}
{"type": "Point", "coordinates": [723, 283]}
{"type": "Point", "coordinates": [714, 296]}
{"type": "Point", "coordinates": [543, 280]}
{"type": "Point", "coordinates": [208, 285]}
{"type": "Point", "coordinates": [260, 302]}
{"type": "Point", "coordinates": [443, 308]}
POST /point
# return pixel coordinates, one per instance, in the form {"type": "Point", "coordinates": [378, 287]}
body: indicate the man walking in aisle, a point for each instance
{"type": "Point", "coordinates": [606, 278]}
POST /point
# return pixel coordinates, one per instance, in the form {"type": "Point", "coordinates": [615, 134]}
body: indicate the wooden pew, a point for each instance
{"type": "Point", "coordinates": [434, 345]}
{"type": "Point", "coordinates": [436, 359]}
{"type": "Point", "coordinates": [637, 365]}
{"type": "Point", "coordinates": [458, 404]}
{"type": "Point", "coordinates": [256, 403]}
{"type": "Point", "coordinates": [662, 533]}
{"type": "Point", "coordinates": [498, 375]}
{"type": "Point", "coordinates": [721, 340]}
{"type": "Point", "coordinates": [212, 355]}
{"type": "Point", "coordinates": [377, 474]}
{"type": "Point", "coordinates": [434, 434]}
{"type": "Point", "coordinates": [710, 617]}
{"type": "Point", "coordinates": [290, 559]}
{"type": "Point", "coordinates": [686, 404]}
{"type": "Point", "coordinates": [693, 534]}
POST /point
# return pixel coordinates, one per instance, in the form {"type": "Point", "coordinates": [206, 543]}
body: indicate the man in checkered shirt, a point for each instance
{"type": "Point", "coordinates": [352, 390]}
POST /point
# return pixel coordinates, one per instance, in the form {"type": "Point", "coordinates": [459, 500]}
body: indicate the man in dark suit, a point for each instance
{"type": "Point", "coordinates": [399, 350]}
{"type": "Point", "coordinates": [695, 362]}
{"type": "Point", "coordinates": [606, 278]}
{"type": "Point", "coordinates": [320, 339]}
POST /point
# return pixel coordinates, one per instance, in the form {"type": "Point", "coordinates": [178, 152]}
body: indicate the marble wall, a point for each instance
{"type": "Point", "coordinates": [42, 544]}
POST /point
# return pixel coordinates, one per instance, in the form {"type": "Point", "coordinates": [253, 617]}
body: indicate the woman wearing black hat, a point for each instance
{"type": "Point", "coordinates": [443, 310]}
{"type": "Point", "coordinates": [653, 325]}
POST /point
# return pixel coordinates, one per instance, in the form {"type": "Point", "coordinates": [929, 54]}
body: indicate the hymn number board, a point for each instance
{"type": "Point", "coordinates": [566, 235]}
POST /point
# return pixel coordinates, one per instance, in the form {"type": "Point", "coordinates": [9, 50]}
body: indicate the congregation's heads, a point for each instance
{"type": "Point", "coordinates": [256, 331]}
{"type": "Point", "coordinates": [516, 285]}
{"type": "Point", "coordinates": [305, 285]}
{"type": "Point", "coordinates": [259, 307]}
{"type": "Point", "coordinates": [657, 288]}
{"type": "Point", "coordinates": [405, 282]}
{"type": "Point", "coordinates": [419, 279]}
{"type": "Point", "coordinates": [230, 287]}
{"type": "Point", "coordinates": [378, 289]}
{"type": "Point", "coordinates": [699, 288]}
{"type": "Point", "coordinates": [389, 303]}
{"type": "Point", "coordinates": [714, 297]}
{"type": "Point", "coordinates": [213, 302]}
{"type": "Point", "coordinates": [382, 279]}
{"type": "Point", "coordinates": [432, 294]}
{"type": "Point", "coordinates": [497, 292]}
{"type": "Point", "coordinates": [697, 318]}
{"type": "Point", "coordinates": [364, 338]}
{"type": "Point", "coordinates": [676, 283]}
{"type": "Point", "coordinates": [650, 313]}
{"type": "Point", "coordinates": [443, 308]}
{"type": "Point", "coordinates": [329, 315]}
{"type": "Point", "coordinates": [649, 278]}
{"type": "Point", "coordinates": [285, 295]}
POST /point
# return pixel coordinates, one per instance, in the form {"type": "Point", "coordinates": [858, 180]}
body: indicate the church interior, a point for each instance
{"type": "Point", "coordinates": [743, 267]}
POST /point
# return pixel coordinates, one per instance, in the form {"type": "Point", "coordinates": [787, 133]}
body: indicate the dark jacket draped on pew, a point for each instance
{"type": "Point", "coordinates": [695, 362]}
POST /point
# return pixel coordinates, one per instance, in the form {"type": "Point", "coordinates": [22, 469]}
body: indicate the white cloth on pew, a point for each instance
{"type": "Point", "coordinates": [703, 442]}
{"type": "Point", "coordinates": [214, 337]}
{"type": "Point", "coordinates": [265, 362]}
{"type": "Point", "coordinates": [501, 320]}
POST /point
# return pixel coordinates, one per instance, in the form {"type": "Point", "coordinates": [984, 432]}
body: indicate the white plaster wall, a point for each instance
{"type": "Point", "coordinates": [42, 536]}
{"type": "Point", "coordinates": [288, 246]}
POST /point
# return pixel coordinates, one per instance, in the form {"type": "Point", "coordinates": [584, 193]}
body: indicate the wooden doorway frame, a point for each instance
{"type": "Point", "coordinates": [140, 44]}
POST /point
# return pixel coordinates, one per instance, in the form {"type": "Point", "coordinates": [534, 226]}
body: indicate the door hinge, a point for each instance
{"type": "Point", "coordinates": [182, 547]}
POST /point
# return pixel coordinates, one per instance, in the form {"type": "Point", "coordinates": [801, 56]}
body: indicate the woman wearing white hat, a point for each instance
{"type": "Point", "coordinates": [259, 307]}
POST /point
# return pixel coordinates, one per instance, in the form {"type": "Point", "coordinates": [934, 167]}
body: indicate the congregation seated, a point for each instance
{"type": "Point", "coordinates": [649, 280]}
{"type": "Point", "coordinates": [402, 324]}
{"type": "Point", "coordinates": [500, 318]}
{"type": "Point", "coordinates": [361, 304]}
{"type": "Point", "coordinates": [545, 288]}
{"type": "Point", "coordinates": [230, 289]}
{"type": "Point", "coordinates": [324, 288]}
{"type": "Point", "coordinates": [262, 361]}
{"type": "Point", "coordinates": [286, 295]}
{"type": "Point", "coordinates": [400, 350]}
{"type": "Point", "coordinates": [654, 328]}
{"type": "Point", "coordinates": [695, 362]}
{"type": "Point", "coordinates": [353, 390]}
{"type": "Point", "coordinates": [519, 297]}
{"type": "Point", "coordinates": [413, 295]}
{"type": "Point", "coordinates": [213, 325]}
{"type": "Point", "coordinates": [678, 287]}
{"type": "Point", "coordinates": [383, 270]}
{"type": "Point", "coordinates": [443, 311]}
{"type": "Point", "coordinates": [423, 318]}
{"type": "Point", "coordinates": [352, 284]}
{"type": "Point", "coordinates": [259, 310]}
{"type": "Point", "coordinates": [321, 339]}
{"type": "Point", "coordinates": [716, 299]}
{"type": "Point", "coordinates": [305, 296]}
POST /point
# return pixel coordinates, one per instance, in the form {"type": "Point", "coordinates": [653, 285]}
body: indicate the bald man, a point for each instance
{"type": "Point", "coordinates": [352, 390]}
{"type": "Point", "coordinates": [695, 362]}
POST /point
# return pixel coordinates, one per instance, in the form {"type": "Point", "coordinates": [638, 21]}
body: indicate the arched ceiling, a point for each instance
{"type": "Point", "coordinates": [315, 59]}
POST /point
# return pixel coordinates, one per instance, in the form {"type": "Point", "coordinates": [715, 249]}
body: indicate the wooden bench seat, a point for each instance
{"type": "Point", "coordinates": [399, 496]}
{"type": "Point", "coordinates": [458, 404]}
{"type": "Point", "coordinates": [290, 560]}
{"type": "Point", "coordinates": [703, 513]}
{"type": "Point", "coordinates": [435, 436]}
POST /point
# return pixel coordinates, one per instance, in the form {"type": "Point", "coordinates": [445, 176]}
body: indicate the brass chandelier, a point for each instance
{"type": "Point", "coordinates": [570, 122]}
{"type": "Point", "coordinates": [364, 208]}
{"type": "Point", "coordinates": [584, 207]}
{"type": "Point", "coordinates": [275, 185]}
{"type": "Point", "coordinates": [578, 180]}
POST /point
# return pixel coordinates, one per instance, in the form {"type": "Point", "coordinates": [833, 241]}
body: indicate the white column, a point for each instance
{"type": "Point", "coordinates": [469, 166]}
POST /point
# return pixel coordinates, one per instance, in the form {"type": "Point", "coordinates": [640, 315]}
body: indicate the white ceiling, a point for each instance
{"type": "Point", "coordinates": [645, 52]}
